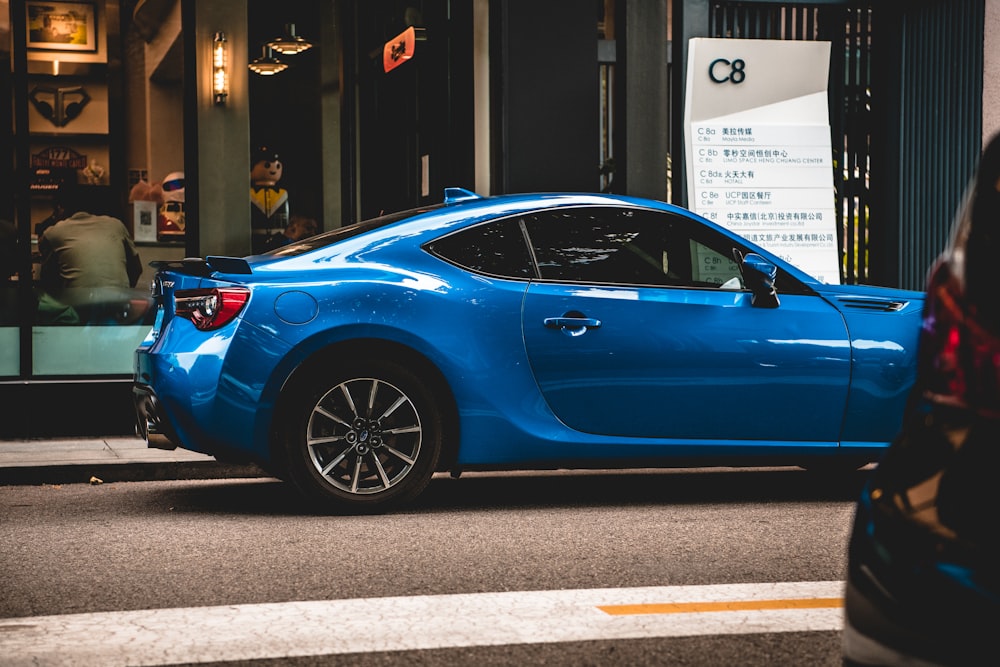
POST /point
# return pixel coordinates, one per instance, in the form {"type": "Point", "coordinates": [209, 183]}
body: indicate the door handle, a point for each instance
{"type": "Point", "coordinates": [572, 326]}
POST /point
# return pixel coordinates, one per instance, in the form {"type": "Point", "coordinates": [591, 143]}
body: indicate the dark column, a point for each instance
{"type": "Point", "coordinates": [690, 20]}
{"type": "Point", "coordinates": [647, 106]}
{"type": "Point", "coordinates": [546, 78]}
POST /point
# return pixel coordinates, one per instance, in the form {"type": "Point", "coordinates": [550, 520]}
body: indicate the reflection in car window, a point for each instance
{"type": "Point", "coordinates": [346, 232]}
{"type": "Point", "coordinates": [629, 246]}
{"type": "Point", "coordinates": [496, 248]}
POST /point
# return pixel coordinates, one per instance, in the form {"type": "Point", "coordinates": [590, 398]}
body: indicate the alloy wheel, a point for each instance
{"type": "Point", "coordinates": [364, 436]}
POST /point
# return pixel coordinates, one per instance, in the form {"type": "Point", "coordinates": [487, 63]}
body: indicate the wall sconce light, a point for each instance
{"type": "Point", "coordinates": [291, 43]}
{"type": "Point", "coordinates": [220, 73]}
{"type": "Point", "coordinates": [267, 64]}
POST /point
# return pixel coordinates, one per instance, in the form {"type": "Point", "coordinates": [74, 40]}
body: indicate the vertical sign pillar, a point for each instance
{"type": "Point", "coordinates": [757, 140]}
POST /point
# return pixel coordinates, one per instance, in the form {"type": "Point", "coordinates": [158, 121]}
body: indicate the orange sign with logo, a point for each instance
{"type": "Point", "coordinates": [399, 49]}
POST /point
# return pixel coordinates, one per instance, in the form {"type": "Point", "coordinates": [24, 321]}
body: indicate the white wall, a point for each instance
{"type": "Point", "coordinates": [991, 70]}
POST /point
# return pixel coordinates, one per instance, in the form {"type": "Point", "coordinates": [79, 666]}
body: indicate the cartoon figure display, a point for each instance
{"type": "Point", "coordinates": [268, 202]}
{"type": "Point", "coordinates": [170, 223]}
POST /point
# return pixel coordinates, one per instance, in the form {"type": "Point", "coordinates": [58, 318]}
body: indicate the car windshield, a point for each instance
{"type": "Point", "coordinates": [341, 233]}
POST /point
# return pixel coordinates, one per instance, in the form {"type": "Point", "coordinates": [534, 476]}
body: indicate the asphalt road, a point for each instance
{"type": "Point", "coordinates": [217, 545]}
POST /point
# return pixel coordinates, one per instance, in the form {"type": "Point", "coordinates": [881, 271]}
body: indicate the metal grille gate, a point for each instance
{"type": "Point", "coordinates": [849, 95]}
{"type": "Point", "coordinates": [905, 114]}
{"type": "Point", "coordinates": [939, 136]}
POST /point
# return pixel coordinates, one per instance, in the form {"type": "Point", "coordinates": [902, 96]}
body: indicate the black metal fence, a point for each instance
{"type": "Point", "coordinates": [905, 97]}
{"type": "Point", "coordinates": [849, 31]}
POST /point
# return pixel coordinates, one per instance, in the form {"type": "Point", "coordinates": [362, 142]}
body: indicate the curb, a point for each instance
{"type": "Point", "coordinates": [125, 472]}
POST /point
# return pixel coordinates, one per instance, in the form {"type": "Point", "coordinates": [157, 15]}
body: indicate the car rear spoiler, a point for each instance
{"type": "Point", "coordinates": [196, 266]}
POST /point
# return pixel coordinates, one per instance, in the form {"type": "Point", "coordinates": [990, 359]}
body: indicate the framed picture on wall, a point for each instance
{"type": "Point", "coordinates": [62, 26]}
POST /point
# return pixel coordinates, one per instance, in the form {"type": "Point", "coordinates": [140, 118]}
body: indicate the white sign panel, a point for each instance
{"type": "Point", "coordinates": [757, 138]}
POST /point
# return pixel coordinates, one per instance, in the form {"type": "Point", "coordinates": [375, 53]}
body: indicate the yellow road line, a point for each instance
{"type": "Point", "coordinates": [734, 605]}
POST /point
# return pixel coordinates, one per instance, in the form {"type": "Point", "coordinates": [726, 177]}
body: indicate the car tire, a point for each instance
{"type": "Point", "coordinates": [363, 437]}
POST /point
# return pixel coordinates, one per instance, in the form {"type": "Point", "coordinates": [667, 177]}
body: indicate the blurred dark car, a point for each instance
{"type": "Point", "coordinates": [923, 578]}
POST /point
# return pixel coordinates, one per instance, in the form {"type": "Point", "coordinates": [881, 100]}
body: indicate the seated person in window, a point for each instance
{"type": "Point", "coordinates": [89, 261]}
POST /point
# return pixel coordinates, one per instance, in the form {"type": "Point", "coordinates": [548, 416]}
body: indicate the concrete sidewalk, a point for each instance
{"type": "Point", "coordinates": [113, 459]}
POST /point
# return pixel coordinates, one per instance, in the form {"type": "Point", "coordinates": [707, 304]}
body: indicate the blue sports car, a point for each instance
{"type": "Point", "coordinates": [519, 332]}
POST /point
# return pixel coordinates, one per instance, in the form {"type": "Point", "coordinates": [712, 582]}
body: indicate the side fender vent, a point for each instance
{"type": "Point", "coordinates": [877, 305]}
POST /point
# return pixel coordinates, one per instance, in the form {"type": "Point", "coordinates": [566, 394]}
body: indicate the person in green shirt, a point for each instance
{"type": "Point", "coordinates": [89, 260]}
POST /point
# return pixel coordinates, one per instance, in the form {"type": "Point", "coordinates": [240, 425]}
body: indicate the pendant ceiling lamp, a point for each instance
{"type": "Point", "coordinates": [267, 64]}
{"type": "Point", "coordinates": [291, 43]}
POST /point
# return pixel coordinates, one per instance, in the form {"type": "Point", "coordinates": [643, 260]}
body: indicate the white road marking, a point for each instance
{"type": "Point", "coordinates": [291, 629]}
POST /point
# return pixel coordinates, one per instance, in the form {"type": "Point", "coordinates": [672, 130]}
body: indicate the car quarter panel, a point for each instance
{"type": "Point", "coordinates": [209, 399]}
{"type": "Point", "coordinates": [468, 326]}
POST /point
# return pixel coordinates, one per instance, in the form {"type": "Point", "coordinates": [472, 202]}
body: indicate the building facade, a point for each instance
{"type": "Point", "coordinates": [167, 106]}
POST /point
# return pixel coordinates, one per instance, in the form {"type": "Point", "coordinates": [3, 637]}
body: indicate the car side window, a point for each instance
{"type": "Point", "coordinates": [496, 248]}
{"type": "Point", "coordinates": [630, 246]}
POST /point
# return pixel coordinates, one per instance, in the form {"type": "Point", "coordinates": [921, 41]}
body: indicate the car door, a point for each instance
{"type": "Point", "coordinates": [639, 327]}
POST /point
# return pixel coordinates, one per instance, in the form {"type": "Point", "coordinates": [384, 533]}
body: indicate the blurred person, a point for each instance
{"type": "Point", "coordinates": [89, 260]}
{"type": "Point", "coordinates": [299, 227]}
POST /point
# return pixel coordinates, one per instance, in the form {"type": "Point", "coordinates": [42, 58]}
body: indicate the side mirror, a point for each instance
{"type": "Point", "coordinates": [759, 275]}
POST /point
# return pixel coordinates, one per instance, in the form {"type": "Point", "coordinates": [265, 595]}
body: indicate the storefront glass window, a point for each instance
{"type": "Point", "coordinates": [98, 107]}
{"type": "Point", "coordinates": [74, 299]}
{"type": "Point", "coordinates": [89, 312]}
{"type": "Point", "coordinates": [9, 332]}
{"type": "Point", "coordinates": [295, 129]}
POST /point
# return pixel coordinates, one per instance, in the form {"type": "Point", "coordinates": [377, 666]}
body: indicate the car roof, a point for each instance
{"type": "Point", "coordinates": [463, 208]}
{"type": "Point", "coordinates": [452, 211]}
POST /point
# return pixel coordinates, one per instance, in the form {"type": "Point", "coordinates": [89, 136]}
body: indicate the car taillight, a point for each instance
{"type": "Point", "coordinates": [210, 308]}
